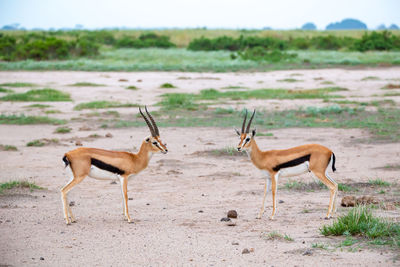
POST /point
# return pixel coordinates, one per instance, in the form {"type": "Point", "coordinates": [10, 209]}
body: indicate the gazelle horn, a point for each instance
{"type": "Point", "coordinates": [153, 122]}
{"type": "Point", "coordinates": [148, 123]}
{"type": "Point", "coordinates": [244, 121]}
{"type": "Point", "coordinates": [251, 119]}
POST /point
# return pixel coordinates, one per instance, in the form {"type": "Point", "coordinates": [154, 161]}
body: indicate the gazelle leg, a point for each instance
{"type": "Point", "coordinates": [125, 196]}
{"type": "Point", "coordinates": [121, 180]}
{"type": "Point", "coordinates": [266, 190]}
{"type": "Point", "coordinates": [64, 191]}
{"type": "Point", "coordinates": [336, 191]}
{"type": "Point", "coordinates": [274, 192]}
{"type": "Point", "coordinates": [333, 188]}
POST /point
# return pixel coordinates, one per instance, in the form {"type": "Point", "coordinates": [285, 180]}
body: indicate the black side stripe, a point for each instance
{"type": "Point", "coordinates": [107, 167]}
{"type": "Point", "coordinates": [292, 163]}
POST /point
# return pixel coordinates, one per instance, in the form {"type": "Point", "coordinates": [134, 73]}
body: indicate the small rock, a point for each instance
{"type": "Point", "coordinates": [147, 204]}
{"type": "Point", "coordinates": [139, 81]}
{"type": "Point", "coordinates": [235, 243]}
{"type": "Point", "coordinates": [78, 143]}
{"type": "Point", "coordinates": [130, 198]}
{"type": "Point", "coordinates": [281, 201]}
{"type": "Point", "coordinates": [41, 258]}
{"type": "Point", "coordinates": [122, 80]}
{"type": "Point", "coordinates": [113, 182]}
{"type": "Point", "coordinates": [85, 128]}
{"type": "Point", "coordinates": [245, 251]}
{"type": "Point", "coordinates": [72, 203]}
{"type": "Point", "coordinates": [109, 135]}
{"type": "Point", "coordinates": [232, 214]}
{"type": "Point", "coordinates": [225, 219]}
{"type": "Point", "coordinates": [231, 224]}
{"type": "Point", "coordinates": [200, 211]}
{"type": "Point", "coordinates": [348, 201]}
{"type": "Point", "coordinates": [308, 252]}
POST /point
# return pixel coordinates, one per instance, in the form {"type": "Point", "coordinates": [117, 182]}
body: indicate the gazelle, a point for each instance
{"type": "Point", "coordinates": [111, 165]}
{"type": "Point", "coordinates": [313, 158]}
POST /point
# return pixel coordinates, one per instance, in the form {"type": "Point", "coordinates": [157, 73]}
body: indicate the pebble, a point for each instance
{"type": "Point", "coordinates": [200, 211]}
{"type": "Point", "coordinates": [281, 201]}
{"type": "Point", "coordinates": [245, 251]}
{"type": "Point", "coordinates": [72, 203]}
{"type": "Point", "coordinates": [109, 135]}
{"type": "Point", "coordinates": [78, 143]}
{"type": "Point", "coordinates": [113, 182]}
{"type": "Point", "coordinates": [235, 243]}
{"type": "Point", "coordinates": [307, 253]}
{"type": "Point", "coordinates": [225, 219]}
{"type": "Point", "coordinates": [41, 258]}
{"type": "Point", "coordinates": [232, 214]}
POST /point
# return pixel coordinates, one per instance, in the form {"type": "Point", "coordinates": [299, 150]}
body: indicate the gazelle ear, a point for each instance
{"type": "Point", "coordinates": [147, 139]}
{"type": "Point", "coordinates": [253, 132]}
{"type": "Point", "coordinates": [237, 132]}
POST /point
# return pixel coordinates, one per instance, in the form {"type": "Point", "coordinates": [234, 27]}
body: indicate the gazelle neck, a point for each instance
{"type": "Point", "coordinates": [254, 154]}
{"type": "Point", "coordinates": [144, 155]}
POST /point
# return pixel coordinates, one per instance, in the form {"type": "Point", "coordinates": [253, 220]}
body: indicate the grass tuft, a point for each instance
{"type": "Point", "coordinates": [379, 182]}
{"type": "Point", "coordinates": [132, 87]}
{"type": "Point", "coordinates": [18, 84]}
{"type": "Point", "coordinates": [63, 130]}
{"type": "Point", "coordinates": [37, 106]}
{"type": "Point", "coordinates": [167, 86]}
{"type": "Point", "coordinates": [18, 184]}
{"type": "Point", "coordinates": [86, 84]}
{"type": "Point", "coordinates": [361, 222]}
{"type": "Point", "coordinates": [8, 148]}
{"type": "Point", "coordinates": [26, 120]}
{"type": "Point", "coordinates": [4, 90]}
{"type": "Point", "coordinates": [290, 80]}
{"type": "Point", "coordinates": [35, 143]}
{"type": "Point", "coordinates": [103, 104]}
{"type": "Point", "coordinates": [40, 95]}
{"type": "Point", "coordinates": [391, 86]}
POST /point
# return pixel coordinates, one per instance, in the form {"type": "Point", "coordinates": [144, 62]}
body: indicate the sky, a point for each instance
{"type": "Point", "coordinates": [235, 14]}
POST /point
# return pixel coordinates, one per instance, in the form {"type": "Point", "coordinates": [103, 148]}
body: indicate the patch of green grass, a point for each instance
{"type": "Point", "coordinates": [132, 87]}
{"type": "Point", "coordinates": [52, 111]}
{"type": "Point", "coordinates": [349, 241]}
{"type": "Point", "coordinates": [39, 95]}
{"type": "Point", "coordinates": [25, 120]}
{"type": "Point", "coordinates": [370, 78]}
{"type": "Point", "coordinates": [226, 151]}
{"type": "Point", "coordinates": [379, 182]}
{"type": "Point", "coordinates": [18, 184]}
{"type": "Point", "coordinates": [319, 246]}
{"type": "Point", "coordinates": [382, 192]}
{"type": "Point", "coordinates": [346, 188]}
{"type": "Point", "coordinates": [63, 130]}
{"type": "Point", "coordinates": [392, 166]}
{"type": "Point", "coordinates": [224, 111]}
{"type": "Point", "coordinates": [290, 80]}
{"type": "Point", "coordinates": [86, 84]}
{"type": "Point", "coordinates": [232, 87]}
{"type": "Point", "coordinates": [336, 109]}
{"type": "Point", "coordinates": [288, 238]}
{"type": "Point", "coordinates": [178, 101]}
{"type": "Point", "coordinates": [264, 134]}
{"type": "Point", "coordinates": [8, 148]}
{"type": "Point", "coordinates": [35, 143]}
{"type": "Point", "coordinates": [103, 104]}
{"type": "Point", "coordinates": [113, 113]}
{"type": "Point", "coordinates": [272, 235]}
{"type": "Point", "coordinates": [167, 86]}
{"type": "Point", "coordinates": [4, 90]}
{"type": "Point", "coordinates": [327, 83]}
{"type": "Point", "coordinates": [361, 222]}
{"type": "Point", "coordinates": [295, 185]}
{"type": "Point", "coordinates": [305, 211]}
{"type": "Point", "coordinates": [37, 106]}
{"type": "Point", "coordinates": [18, 84]}
{"type": "Point", "coordinates": [392, 94]}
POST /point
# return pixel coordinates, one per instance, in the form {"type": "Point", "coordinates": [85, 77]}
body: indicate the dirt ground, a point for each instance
{"type": "Point", "coordinates": [178, 201]}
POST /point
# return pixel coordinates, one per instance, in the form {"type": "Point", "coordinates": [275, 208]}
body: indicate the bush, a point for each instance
{"type": "Point", "coordinates": [261, 54]}
{"type": "Point", "coordinates": [377, 41]}
{"type": "Point", "coordinates": [329, 42]}
{"type": "Point", "coordinates": [145, 41]}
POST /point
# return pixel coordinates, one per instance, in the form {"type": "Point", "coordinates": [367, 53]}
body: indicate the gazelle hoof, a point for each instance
{"type": "Point", "coordinates": [258, 217]}
{"type": "Point", "coordinates": [271, 218]}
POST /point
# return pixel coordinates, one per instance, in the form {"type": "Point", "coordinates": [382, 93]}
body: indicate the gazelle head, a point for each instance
{"type": "Point", "coordinates": [245, 136]}
{"type": "Point", "coordinates": [154, 141]}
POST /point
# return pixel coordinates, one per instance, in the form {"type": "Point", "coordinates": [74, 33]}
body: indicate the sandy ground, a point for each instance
{"type": "Point", "coordinates": [178, 201]}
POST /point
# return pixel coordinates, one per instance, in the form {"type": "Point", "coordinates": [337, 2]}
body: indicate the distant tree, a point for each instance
{"type": "Point", "coordinates": [267, 28]}
{"type": "Point", "coordinates": [309, 26]}
{"type": "Point", "coordinates": [10, 27]}
{"type": "Point", "coordinates": [393, 27]}
{"type": "Point", "coordinates": [381, 27]}
{"type": "Point", "coordinates": [347, 24]}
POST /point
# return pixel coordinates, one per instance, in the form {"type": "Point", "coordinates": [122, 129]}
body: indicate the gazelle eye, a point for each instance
{"type": "Point", "coordinates": [247, 139]}
{"type": "Point", "coordinates": [154, 143]}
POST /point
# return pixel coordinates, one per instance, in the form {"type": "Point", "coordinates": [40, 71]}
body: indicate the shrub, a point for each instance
{"type": "Point", "coordinates": [261, 54]}
{"type": "Point", "coordinates": [377, 41]}
{"type": "Point", "coordinates": [145, 41]}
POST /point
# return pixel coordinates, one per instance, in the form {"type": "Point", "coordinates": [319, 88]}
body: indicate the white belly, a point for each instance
{"type": "Point", "coordinates": [100, 174]}
{"type": "Point", "coordinates": [294, 171]}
